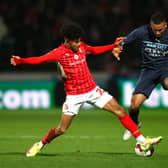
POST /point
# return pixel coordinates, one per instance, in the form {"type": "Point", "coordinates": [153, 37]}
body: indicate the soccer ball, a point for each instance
{"type": "Point", "coordinates": [140, 152]}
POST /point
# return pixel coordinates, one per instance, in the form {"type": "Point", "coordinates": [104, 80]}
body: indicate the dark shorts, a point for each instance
{"type": "Point", "coordinates": [148, 80]}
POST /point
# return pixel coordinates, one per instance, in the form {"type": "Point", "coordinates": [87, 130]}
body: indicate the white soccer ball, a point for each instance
{"type": "Point", "coordinates": [140, 152]}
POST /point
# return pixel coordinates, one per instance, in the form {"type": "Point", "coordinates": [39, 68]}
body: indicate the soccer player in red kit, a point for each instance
{"type": "Point", "coordinates": [80, 86]}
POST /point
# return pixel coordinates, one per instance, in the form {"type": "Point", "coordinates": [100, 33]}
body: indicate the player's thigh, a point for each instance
{"type": "Point", "coordinates": [114, 107]}
{"type": "Point", "coordinates": [103, 99]}
{"type": "Point", "coordinates": [99, 97]}
{"type": "Point", "coordinates": [146, 83]}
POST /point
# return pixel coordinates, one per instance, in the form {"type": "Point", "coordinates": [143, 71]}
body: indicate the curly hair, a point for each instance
{"type": "Point", "coordinates": [71, 31]}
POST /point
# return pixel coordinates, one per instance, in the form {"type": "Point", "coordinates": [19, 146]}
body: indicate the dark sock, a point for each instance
{"type": "Point", "coordinates": [134, 115]}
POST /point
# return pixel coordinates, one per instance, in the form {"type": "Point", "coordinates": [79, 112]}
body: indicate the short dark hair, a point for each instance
{"type": "Point", "coordinates": [158, 17]}
{"type": "Point", "coordinates": [72, 31]}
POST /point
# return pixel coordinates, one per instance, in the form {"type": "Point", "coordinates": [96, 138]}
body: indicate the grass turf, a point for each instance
{"type": "Point", "coordinates": [93, 140]}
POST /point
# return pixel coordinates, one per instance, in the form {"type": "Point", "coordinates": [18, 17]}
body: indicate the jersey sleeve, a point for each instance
{"type": "Point", "coordinates": [134, 35]}
{"type": "Point", "coordinates": [53, 55]}
{"type": "Point", "coordinates": [98, 49]}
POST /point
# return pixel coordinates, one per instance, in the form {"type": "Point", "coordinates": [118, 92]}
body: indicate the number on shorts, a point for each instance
{"type": "Point", "coordinates": [101, 91]}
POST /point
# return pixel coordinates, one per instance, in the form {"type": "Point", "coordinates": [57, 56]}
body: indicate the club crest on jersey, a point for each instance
{"type": "Point", "coordinates": [76, 56]}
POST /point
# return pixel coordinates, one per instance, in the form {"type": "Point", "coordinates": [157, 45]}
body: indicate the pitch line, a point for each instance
{"type": "Point", "coordinates": [66, 137]}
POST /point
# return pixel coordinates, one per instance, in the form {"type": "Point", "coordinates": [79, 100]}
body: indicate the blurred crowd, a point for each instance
{"type": "Point", "coordinates": [31, 28]}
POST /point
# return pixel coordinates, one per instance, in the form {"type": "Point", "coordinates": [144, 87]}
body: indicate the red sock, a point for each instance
{"type": "Point", "coordinates": [130, 125]}
{"type": "Point", "coordinates": [49, 136]}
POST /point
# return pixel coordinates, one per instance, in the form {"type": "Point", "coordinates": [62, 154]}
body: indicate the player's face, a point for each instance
{"type": "Point", "coordinates": [74, 45]}
{"type": "Point", "coordinates": [158, 29]}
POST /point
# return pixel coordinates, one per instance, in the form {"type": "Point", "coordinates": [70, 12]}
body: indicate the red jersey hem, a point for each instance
{"type": "Point", "coordinates": [81, 93]}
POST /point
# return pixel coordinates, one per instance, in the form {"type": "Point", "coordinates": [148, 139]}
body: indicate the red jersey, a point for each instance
{"type": "Point", "coordinates": [77, 77]}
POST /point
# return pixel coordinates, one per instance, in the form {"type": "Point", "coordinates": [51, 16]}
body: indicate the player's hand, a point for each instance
{"type": "Point", "coordinates": [15, 60]}
{"type": "Point", "coordinates": [119, 42]}
{"type": "Point", "coordinates": [116, 52]}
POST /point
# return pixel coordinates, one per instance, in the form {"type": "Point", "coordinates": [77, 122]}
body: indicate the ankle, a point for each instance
{"type": "Point", "coordinates": [42, 143]}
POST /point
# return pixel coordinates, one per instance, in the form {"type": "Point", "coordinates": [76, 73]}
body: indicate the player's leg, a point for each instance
{"type": "Point", "coordinates": [146, 83]}
{"type": "Point", "coordinates": [70, 108]}
{"type": "Point", "coordinates": [52, 134]}
{"type": "Point", "coordinates": [136, 102]}
{"type": "Point", "coordinates": [57, 131]}
{"type": "Point", "coordinates": [127, 122]}
{"type": "Point", "coordinates": [103, 100]}
{"type": "Point", "coordinates": [124, 118]}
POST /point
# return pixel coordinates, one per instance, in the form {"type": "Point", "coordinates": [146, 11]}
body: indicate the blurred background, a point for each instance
{"type": "Point", "coordinates": [31, 28]}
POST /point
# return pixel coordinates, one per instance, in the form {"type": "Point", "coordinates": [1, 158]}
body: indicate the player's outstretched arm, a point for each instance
{"type": "Point", "coordinates": [102, 49]}
{"type": "Point", "coordinates": [16, 60]}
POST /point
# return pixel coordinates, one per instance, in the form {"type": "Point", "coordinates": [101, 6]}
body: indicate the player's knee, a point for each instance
{"type": "Point", "coordinates": [134, 107]}
{"type": "Point", "coordinates": [120, 112]}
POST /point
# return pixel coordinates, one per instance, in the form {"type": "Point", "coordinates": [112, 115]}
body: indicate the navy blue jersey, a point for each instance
{"type": "Point", "coordinates": [154, 50]}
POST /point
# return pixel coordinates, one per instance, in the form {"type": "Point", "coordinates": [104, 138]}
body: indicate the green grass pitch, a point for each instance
{"type": "Point", "coordinates": [93, 140]}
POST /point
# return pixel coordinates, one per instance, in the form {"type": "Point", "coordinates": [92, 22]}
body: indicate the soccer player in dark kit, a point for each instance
{"type": "Point", "coordinates": [154, 50]}
{"type": "Point", "coordinates": [80, 86]}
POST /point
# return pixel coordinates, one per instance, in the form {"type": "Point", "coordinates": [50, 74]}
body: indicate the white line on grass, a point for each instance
{"type": "Point", "coordinates": [65, 136]}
